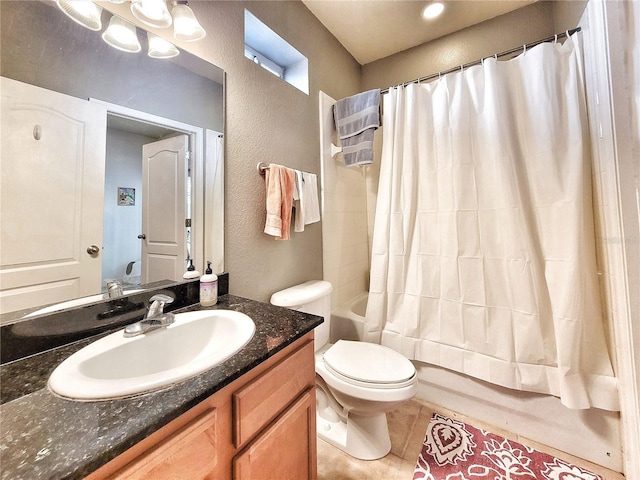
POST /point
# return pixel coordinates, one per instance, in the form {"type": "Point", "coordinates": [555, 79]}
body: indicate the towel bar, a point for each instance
{"type": "Point", "coordinates": [262, 168]}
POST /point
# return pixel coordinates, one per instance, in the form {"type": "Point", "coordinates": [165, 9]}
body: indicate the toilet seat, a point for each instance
{"type": "Point", "coordinates": [369, 365]}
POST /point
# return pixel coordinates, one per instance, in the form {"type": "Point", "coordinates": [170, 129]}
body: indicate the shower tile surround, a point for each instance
{"type": "Point", "coordinates": [44, 436]}
{"type": "Point", "coordinates": [345, 245]}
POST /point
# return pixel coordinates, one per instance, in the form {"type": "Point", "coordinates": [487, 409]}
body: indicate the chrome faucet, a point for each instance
{"type": "Point", "coordinates": [154, 319]}
{"type": "Point", "coordinates": [114, 289]}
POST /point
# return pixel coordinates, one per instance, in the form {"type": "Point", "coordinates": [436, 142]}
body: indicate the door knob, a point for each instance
{"type": "Point", "coordinates": [93, 250]}
{"type": "Point", "coordinates": [142, 236]}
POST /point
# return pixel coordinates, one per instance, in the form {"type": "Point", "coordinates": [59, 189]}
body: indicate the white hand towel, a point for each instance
{"type": "Point", "coordinates": [308, 206]}
{"type": "Point", "coordinates": [311, 202]}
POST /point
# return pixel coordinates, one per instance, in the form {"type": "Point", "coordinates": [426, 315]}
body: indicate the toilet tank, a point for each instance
{"type": "Point", "coordinates": [310, 297]}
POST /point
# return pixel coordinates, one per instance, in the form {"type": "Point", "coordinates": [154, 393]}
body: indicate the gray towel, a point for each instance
{"type": "Point", "coordinates": [357, 117]}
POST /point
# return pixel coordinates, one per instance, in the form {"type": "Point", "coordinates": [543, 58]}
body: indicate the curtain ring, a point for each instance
{"type": "Point", "coordinates": [524, 49]}
{"type": "Point", "coordinates": [555, 38]}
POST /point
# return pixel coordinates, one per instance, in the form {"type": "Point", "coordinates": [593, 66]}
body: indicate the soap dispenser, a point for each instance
{"type": "Point", "coordinates": [208, 287]}
{"type": "Point", "coordinates": [191, 271]}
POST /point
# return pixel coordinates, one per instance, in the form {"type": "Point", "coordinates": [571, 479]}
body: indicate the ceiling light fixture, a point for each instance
{"type": "Point", "coordinates": [87, 14]}
{"type": "Point", "coordinates": [152, 12]}
{"type": "Point", "coordinates": [433, 10]}
{"type": "Point", "coordinates": [122, 35]}
{"type": "Point", "coordinates": [160, 48]}
{"type": "Point", "coordinates": [185, 25]}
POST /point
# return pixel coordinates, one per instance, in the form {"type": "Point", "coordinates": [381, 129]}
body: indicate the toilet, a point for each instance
{"type": "Point", "coordinates": [356, 382]}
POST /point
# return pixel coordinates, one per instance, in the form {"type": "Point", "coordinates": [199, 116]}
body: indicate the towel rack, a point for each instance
{"type": "Point", "coordinates": [262, 168]}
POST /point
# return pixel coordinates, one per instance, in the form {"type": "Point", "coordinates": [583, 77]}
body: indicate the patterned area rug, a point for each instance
{"type": "Point", "coordinates": [453, 450]}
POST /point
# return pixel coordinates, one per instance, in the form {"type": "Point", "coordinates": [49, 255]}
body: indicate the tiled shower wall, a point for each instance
{"type": "Point", "coordinates": [344, 217]}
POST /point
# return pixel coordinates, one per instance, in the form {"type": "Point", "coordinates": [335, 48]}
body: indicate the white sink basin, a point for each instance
{"type": "Point", "coordinates": [115, 366]}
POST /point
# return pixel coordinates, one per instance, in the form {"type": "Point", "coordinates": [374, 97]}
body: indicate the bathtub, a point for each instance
{"type": "Point", "coordinates": [347, 321]}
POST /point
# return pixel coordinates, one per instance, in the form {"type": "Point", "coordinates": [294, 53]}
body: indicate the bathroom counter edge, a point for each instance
{"type": "Point", "coordinates": [44, 436]}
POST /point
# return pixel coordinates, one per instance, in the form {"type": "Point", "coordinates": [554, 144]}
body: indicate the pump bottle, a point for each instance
{"type": "Point", "coordinates": [208, 287]}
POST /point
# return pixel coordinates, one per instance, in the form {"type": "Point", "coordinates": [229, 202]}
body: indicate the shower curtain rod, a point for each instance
{"type": "Point", "coordinates": [478, 62]}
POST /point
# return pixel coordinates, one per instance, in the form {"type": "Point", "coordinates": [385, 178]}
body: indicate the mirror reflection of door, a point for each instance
{"type": "Point", "coordinates": [50, 237]}
{"type": "Point", "coordinates": [127, 199]}
{"type": "Point", "coordinates": [164, 208]}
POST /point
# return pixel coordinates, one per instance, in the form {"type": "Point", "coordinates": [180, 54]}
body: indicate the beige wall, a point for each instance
{"type": "Point", "coordinates": [567, 14]}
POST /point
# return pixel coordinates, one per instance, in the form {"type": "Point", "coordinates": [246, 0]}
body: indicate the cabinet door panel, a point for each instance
{"type": "Point", "coordinates": [286, 450]}
{"type": "Point", "coordinates": [190, 453]}
{"type": "Point", "coordinates": [262, 400]}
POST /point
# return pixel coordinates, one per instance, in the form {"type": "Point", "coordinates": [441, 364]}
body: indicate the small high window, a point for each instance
{"type": "Point", "coordinates": [266, 48]}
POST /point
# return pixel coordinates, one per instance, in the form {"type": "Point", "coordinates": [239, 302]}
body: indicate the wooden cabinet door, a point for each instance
{"type": "Point", "coordinates": [265, 398]}
{"type": "Point", "coordinates": [286, 450]}
{"type": "Point", "coordinates": [190, 453]}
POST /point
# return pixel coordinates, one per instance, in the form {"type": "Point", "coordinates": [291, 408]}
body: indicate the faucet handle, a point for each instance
{"type": "Point", "coordinates": [160, 297]}
{"type": "Point", "coordinates": [157, 303]}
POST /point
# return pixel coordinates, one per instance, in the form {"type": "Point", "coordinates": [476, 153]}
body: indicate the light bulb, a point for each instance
{"type": "Point", "coordinates": [160, 48]}
{"type": "Point", "coordinates": [433, 10]}
{"type": "Point", "coordinates": [152, 12]}
{"type": "Point", "coordinates": [87, 14]}
{"type": "Point", "coordinates": [185, 24]}
{"type": "Point", "coordinates": [121, 34]}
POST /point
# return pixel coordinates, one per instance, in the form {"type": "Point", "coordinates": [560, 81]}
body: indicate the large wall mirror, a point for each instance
{"type": "Point", "coordinates": [97, 194]}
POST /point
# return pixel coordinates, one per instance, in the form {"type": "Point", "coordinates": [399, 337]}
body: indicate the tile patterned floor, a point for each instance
{"type": "Point", "coordinates": [407, 427]}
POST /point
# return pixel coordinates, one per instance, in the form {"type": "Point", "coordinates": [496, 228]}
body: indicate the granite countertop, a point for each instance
{"type": "Point", "coordinates": [44, 436]}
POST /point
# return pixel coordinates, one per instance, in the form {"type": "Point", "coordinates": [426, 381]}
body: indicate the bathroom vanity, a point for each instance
{"type": "Point", "coordinates": [252, 416]}
{"type": "Point", "coordinates": [260, 424]}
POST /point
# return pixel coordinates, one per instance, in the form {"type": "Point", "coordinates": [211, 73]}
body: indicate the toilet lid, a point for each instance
{"type": "Point", "coordinates": [368, 362]}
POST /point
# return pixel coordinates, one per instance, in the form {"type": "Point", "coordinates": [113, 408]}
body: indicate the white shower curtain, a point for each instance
{"type": "Point", "coordinates": [483, 256]}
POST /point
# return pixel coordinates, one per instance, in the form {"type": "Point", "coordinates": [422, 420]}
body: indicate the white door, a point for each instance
{"type": "Point", "coordinates": [164, 180]}
{"type": "Point", "coordinates": [51, 196]}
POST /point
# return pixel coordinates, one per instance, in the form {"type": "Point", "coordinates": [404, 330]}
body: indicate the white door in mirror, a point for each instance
{"type": "Point", "coordinates": [51, 186]}
{"type": "Point", "coordinates": [164, 210]}
{"type": "Point", "coordinates": [115, 366]}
